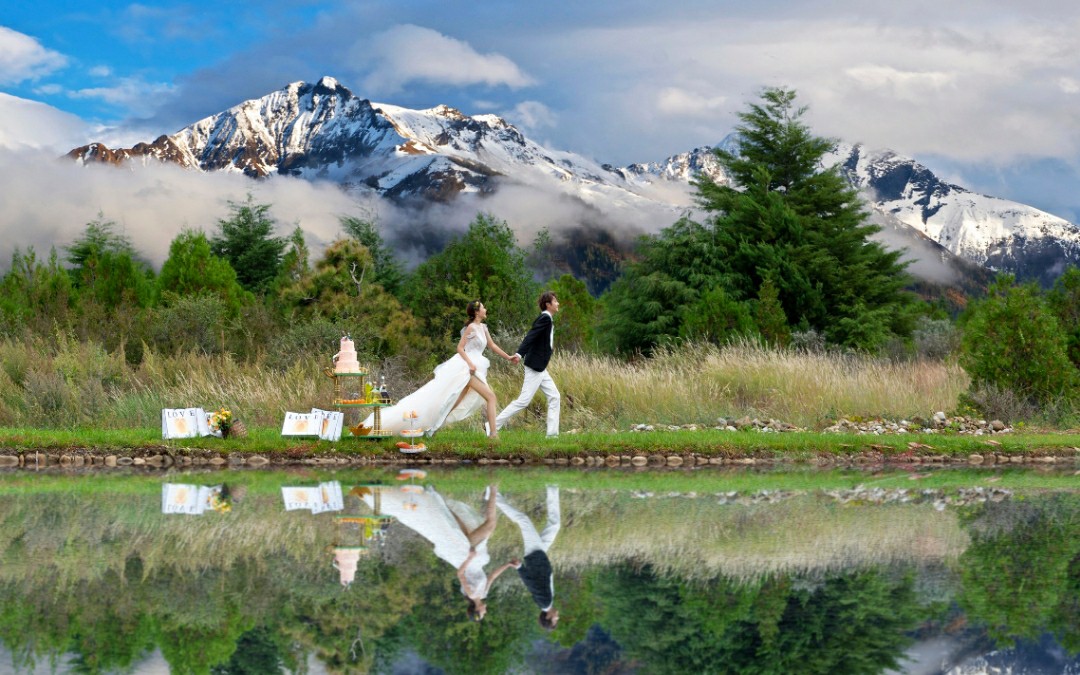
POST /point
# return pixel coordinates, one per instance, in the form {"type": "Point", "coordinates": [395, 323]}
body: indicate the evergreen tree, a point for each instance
{"type": "Point", "coordinates": [805, 228]}
{"type": "Point", "coordinates": [246, 241]}
{"type": "Point", "coordinates": [486, 264]}
{"type": "Point", "coordinates": [577, 313]}
{"type": "Point", "coordinates": [644, 307]}
{"type": "Point", "coordinates": [769, 315]}
{"type": "Point", "coordinates": [1064, 299]}
{"type": "Point", "coordinates": [340, 291]}
{"type": "Point", "coordinates": [716, 317]}
{"type": "Point", "coordinates": [192, 268]}
{"type": "Point", "coordinates": [106, 268]}
{"type": "Point", "coordinates": [387, 270]}
{"type": "Point", "coordinates": [35, 295]}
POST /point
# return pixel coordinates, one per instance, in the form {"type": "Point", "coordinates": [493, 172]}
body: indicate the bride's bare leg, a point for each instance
{"type": "Point", "coordinates": [461, 398]}
{"type": "Point", "coordinates": [480, 387]}
{"type": "Point", "coordinates": [491, 516]}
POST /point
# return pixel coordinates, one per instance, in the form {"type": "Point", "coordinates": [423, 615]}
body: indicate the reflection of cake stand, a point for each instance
{"type": "Point", "coordinates": [372, 528]}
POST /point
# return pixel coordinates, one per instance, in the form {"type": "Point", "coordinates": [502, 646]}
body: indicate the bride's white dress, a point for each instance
{"type": "Point", "coordinates": [434, 402]}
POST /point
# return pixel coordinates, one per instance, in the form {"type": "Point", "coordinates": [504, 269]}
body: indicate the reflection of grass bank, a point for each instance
{"type": "Point", "coordinates": [72, 528]}
{"type": "Point", "coordinates": [696, 538]}
{"type": "Point", "coordinates": [74, 537]}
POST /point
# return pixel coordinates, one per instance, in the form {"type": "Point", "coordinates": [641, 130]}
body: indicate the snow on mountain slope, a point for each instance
{"type": "Point", "coordinates": [323, 131]}
{"type": "Point", "coordinates": [987, 230]}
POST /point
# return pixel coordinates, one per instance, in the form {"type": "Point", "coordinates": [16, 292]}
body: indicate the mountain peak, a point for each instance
{"type": "Point", "coordinates": [443, 110]}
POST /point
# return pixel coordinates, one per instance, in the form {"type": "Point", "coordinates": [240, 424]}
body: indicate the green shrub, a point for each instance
{"type": "Point", "coordinates": [1012, 341]}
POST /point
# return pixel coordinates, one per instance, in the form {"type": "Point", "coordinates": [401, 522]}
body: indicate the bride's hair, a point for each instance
{"type": "Point", "coordinates": [471, 309]}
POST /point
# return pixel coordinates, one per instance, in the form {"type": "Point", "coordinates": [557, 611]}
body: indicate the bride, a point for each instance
{"type": "Point", "coordinates": [459, 388]}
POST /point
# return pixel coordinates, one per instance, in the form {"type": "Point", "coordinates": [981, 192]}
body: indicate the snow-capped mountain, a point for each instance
{"type": "Point", "coordinates": [989, 231]}
{"type": "Point", "coordinates": [323, 131]}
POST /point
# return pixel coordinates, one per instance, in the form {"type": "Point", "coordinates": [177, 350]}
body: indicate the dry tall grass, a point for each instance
{"type": "Point", "coordinates": [703, 382]}
{"type": "Point", "coordinates": [67, 383]}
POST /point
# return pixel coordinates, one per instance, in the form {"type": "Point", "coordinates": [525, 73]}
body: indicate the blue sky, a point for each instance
{"type": "Point", "coordinates": [986, 93]}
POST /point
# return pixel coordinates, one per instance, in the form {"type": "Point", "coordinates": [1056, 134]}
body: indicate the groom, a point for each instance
{"type": "Point", "coordinates": [535, 351]}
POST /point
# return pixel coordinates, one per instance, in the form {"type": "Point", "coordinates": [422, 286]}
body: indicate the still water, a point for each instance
{"type": "Point", "coordinates": [640, 572]}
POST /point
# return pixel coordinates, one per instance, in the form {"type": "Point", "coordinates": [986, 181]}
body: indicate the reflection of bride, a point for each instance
{"type": "Point", "coordinates": [459, 387]}
{"type": "Point", "coordinates": [459, 533]}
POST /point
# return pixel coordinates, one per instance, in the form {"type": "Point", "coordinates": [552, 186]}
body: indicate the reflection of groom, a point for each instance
{"type": "Point", "coordinates": [535, 567]}
{"type": "Point", "coordinates": [535, 350]}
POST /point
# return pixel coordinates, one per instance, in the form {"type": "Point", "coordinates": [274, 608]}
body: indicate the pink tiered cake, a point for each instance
{"type": "Point", "coordinates": [345, 360]}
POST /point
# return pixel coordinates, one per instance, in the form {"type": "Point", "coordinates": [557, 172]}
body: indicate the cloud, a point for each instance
{"type": "Point", "coordinates": [135, 95]}
{"type": "Point", "coordinates": [964, 84]}
{"type": "Point", "coordinates": [531, 116]}
{"type": "Point", "coordinates": [47, 202]}
{"type": "Point", "coordinates": [410, 53]}
{"type": "Point", "coordinates": [23, 58]}
{"type": "Point", "coordinates": [26, 124]}
{"type": "Point", "coordinates": [679, 102]}
{"type": "Point", "coordinates": [899, 84]}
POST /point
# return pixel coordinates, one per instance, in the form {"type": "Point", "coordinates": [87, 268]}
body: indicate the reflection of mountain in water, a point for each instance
{"type": "Point", "coordinates": [1045, 657]}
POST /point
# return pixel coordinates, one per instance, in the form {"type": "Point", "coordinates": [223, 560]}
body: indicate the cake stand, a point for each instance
{"type": "Point", "coordinates": [411, 446]}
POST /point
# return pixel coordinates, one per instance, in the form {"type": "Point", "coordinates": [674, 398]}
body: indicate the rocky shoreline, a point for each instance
{"type": "Point", "coordinates": [210, 459]}
{"type": "Point", "coordinates": [868, 455]}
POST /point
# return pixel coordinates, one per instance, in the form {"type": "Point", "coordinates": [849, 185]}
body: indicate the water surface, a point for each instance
{"type": "Point", "coordinates": [654, 572]}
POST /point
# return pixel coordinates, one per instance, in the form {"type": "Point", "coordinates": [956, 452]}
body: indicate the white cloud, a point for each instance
{"type": "Point", "coordinates": [967, 85]}
{"type": "Point", "coordinates": [137, 96]}
{"type": "Point", "coordinates": [531, 116]}
{"type": "Point", "coordinates": [1069, 85]}
{"type": "Point", "coordinates": [101, 71]}
{"type": "Point", "coordinates": [900, 84]}
{"type": "Point", "coordinates": [410, 53]}
{"type": "Point", "coordinates": [680, 102]}
{"type": "Point", "coordinates": [48, 201]}
{"type": "Point", "coordinates": [30, 124]}
{"type": "Point", "coordinates": [24, 58]}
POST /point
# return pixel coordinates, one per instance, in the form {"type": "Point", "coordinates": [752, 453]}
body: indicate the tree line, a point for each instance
{"type": "Point", "coordinates": [783, 255]}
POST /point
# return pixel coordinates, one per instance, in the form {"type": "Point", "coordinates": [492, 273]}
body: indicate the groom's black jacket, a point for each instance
{"type": "Point", "coordinates": [535, 349]}
{"type": "Point", "coordinates": [536, 574]}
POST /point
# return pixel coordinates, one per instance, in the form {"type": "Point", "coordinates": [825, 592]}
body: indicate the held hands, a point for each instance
{"type": "Point", "coordinates": [516, 358]}
{"type": "Point", "coordinates": [515, 563]}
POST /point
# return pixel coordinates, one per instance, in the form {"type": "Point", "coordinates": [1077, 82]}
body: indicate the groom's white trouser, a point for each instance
{"type": "Point", "coordinates": [533, 540]}
{"type": "Point", "coordinates": [534, 380]}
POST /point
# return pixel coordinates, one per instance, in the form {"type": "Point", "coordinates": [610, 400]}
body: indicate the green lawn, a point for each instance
{"type": "Point", "coordinates": [794, 446]}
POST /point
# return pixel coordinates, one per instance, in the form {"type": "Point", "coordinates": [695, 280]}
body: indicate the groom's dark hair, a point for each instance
{"type": "Point", "coordinates": [545, 298]}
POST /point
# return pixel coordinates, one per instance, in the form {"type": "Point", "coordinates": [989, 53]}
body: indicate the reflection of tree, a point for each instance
{"type": "Point", "coordinates": [440, 632]}
{"type": "Point", "coordinates": [852, 623]}
{"type": "Point", "coordinates": [258, 652]}
{"type": "Point", "coordinates": [1021, 574]}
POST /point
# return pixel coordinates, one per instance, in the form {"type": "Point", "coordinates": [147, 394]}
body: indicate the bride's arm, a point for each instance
{"type": "Point", "coordinates": [496, 348]}
{"type": "Point", "coordinates": [461, 347]}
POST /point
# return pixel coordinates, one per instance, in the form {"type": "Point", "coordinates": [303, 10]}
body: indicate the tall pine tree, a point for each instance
{"type": "Point", "coordinates": [804, 227]}
{"type": "Point", "coordinates": [246, 241]}
{"type": "Point", "coordinates": [785, 225]}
